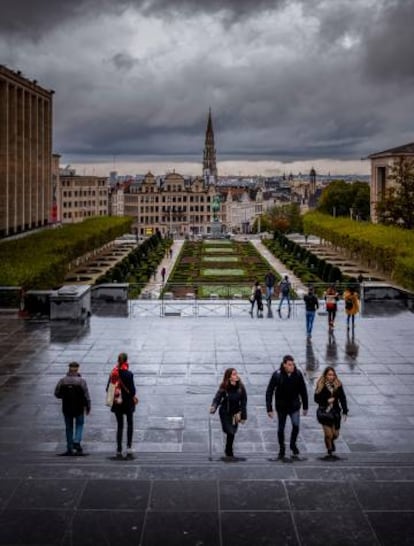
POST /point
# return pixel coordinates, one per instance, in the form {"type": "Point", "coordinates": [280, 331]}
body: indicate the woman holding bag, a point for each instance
{"type": "Point", "coordinates": [331, 399]}
{"type": "Point", "coordinates": [124, 402]}
{"type": "Point", "coordinates": [231, 398]}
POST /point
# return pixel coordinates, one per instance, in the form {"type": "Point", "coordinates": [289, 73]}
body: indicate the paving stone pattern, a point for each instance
{"type": "Point", "coordinates": [171, 493]}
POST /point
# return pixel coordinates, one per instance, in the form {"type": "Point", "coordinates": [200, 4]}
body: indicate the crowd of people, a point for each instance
{"type": "Point", "coordinates": [283, 291]}
{"type": "Point", "coordinates": [286, 394]}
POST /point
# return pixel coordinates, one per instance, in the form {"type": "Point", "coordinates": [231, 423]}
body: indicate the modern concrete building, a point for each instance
{"type": "Point", "coordinates": [382, 164]}
{"type": "Point", "coordinates": [82, 197]}
{"type": "Point", "coordinates": [25, 153]}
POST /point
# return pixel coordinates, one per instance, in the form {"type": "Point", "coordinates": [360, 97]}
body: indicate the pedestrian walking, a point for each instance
{"type": "Point", "coordinates": [311, 305]}
{"type": "Point", "coordinates": [171, 253]}
{"type": "Point", "coordinates": [256, 297]}
{"type": "Point", "coordinates": [231, 399]}
{"type": "Point", "coordinates": [124, 402]}
{"type": "Point", "coordinates": [270, 281]}
{"type": "Point", "coordinates": [351, 306]}
{"type": "Point", "coordinates": [288, 388]}
{"type": "Point", "coordinates": [73, 391]}
{"type": "Point", "coordinates": [163, 273]}
{"type": "Point", "coordinates": [331, 400]}
{"type": "Point", "coordinates": [331, 297]}
{"type": "Point", "coordinates": [284, 291]}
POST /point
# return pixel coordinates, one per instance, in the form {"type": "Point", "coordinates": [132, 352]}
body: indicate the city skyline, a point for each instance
{"type": "Point", "coordinates": [291, 84]}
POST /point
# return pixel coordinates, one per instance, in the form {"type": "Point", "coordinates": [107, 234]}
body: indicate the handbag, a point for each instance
{"type": "Point", "coordinates": [325, 417]}
{"type": "Point", "coordinates": [110, 394]}
{"type": "Point", "coordinates": [237, 418]}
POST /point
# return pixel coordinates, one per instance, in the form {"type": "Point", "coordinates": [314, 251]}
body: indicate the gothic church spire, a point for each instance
{"type": "Point", "coordinates": [209, 157]}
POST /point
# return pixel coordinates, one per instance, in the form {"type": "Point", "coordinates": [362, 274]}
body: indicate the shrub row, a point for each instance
{"type": "Point", "coordinates": [389, 249]}
{"type": "Point", "coordinates": [307, 266]}
{"type": "Point", "coordinates": [40, 260]}
{"type": "Point", "coordinates": [139, 265]}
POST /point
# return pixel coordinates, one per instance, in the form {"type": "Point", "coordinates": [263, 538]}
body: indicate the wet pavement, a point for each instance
{"type": "Point", "coordinates": [172, 493]}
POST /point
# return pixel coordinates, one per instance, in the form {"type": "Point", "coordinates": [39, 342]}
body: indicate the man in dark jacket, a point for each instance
{"type": "Point", "coordinates": [288, 387]}
{"type": "Point", "coordinates": [311, 305]}
{"type": "Point", "coordinates": [73, 391]}
{"type": "Point", "coordinates": [270, 281]}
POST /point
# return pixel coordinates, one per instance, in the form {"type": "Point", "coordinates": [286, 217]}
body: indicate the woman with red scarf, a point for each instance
{"type": "Point", "coordinates": [124, 402]}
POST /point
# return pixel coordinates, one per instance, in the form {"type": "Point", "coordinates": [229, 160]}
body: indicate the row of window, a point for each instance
{"type": "Point", "coordinates": [194, 208]}
{"type": "Point", "coordinates": [84, 193]}
{"type": "Point", "coordinates": [76, 204]}
{"type": "Point", "coordinates": [70, 183]}
{"type": "Point", "coordinates": [174, 219]}
{"type": "Point", "coordinates": [174, 199]}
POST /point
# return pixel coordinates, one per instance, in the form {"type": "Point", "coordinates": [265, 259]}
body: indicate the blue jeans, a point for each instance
{"type": "Point", "coordinates": [70, 438]}
{"type": "Point", "coordinates": [282, 299]}
{"type": "Point", "coordinates": [310, 317]}
{"type": "Point", "coordinates": [294, 419]}
{"type": "Point", "coordinates": [269, 293]}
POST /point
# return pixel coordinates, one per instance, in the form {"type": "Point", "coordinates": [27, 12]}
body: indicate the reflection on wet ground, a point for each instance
{"type": "Point", "coordinates": [178, 363]}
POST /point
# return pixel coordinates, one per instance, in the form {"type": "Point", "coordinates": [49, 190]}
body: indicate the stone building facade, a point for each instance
{"type": "Point", "coordinates": [171, 204]}
{"type": "Point", "coordinates": [82, 197]}
{"type": "Point", "coordinates": [382, 164]}
{"type": "Point", "coordinates": [25, 153]}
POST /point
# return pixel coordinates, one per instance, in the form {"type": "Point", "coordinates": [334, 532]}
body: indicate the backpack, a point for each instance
{"type": "Point", "coordinates": [284, 286]}
{"type": "Point", "coordinates": [349, 304]}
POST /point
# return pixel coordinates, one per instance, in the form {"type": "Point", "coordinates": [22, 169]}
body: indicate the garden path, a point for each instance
{"type": "Point", "coordinates": [297, 284]}
{"type": "Point", "coordinates": [154, 286]}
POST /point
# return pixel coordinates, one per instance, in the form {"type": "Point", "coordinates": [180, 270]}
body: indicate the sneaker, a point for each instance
{"type": "Point", "coordinates": [295, 451]}
{"type": "Point", "coordinates": [68, 453]}
{"type": "Point", "coordinates": [129, 453]}
{"type": "Point", "coordinates": [78, 449]}
{"type": "Point", "coordinates": [119, 455]}
{"type": "Point", "coordinates": [281, 453]}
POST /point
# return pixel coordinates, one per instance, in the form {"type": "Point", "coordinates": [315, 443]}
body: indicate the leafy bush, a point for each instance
{"type": "Point", "coordinates": [389, 249]}
{"type": "Point", "coordinates": [40, 260]}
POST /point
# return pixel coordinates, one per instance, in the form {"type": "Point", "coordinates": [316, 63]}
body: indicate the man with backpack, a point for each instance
{"type": "Point", "coordinates": [284, 290]}
{"type": "Point", "coordinates": [288, 388]}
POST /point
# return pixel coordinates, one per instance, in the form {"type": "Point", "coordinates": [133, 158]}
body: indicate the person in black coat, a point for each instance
{"type": "Point", "coordinates": [288, 387]}
{"type": "Point", "coordinates": [311, 305]}
{"type": "Point", "coordinates": [73, 391]}
{"type": "Point", "coordinates": [124, 402]}
{"type": "Point", "coordinates": [257, 297]}
{"type": "Point", "coordinates": [330, 396]}
{"type": "Point", "coordinates": [231, 398]}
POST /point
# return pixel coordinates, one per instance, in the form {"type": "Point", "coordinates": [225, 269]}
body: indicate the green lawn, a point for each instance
{"type": "Point", "coordinates": [220, 259]}
{"type": "Point", "coordinates": [220, 272]}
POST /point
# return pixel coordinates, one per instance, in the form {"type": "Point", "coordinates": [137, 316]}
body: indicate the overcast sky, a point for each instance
{"type": "Point", "coordinates": [292, 81]}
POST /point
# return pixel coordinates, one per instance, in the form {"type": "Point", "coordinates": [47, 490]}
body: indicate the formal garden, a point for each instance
{"type": "Point", "coordinates": [216, 268]}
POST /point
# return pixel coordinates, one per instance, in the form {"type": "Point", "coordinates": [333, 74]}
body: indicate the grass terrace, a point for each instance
{"type": "Point", "coordinates": [221, 268]}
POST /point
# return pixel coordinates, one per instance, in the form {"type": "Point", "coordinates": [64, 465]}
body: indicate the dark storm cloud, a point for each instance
{"type": "Point", "coordinates": [285, 79]}
{"type": "Point", "coordinates": [390, 44]}
{"type": "Point", "coordinates": [33, 17]}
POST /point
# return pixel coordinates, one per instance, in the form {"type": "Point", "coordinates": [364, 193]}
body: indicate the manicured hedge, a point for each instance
{"type": "Point", "coordinates": [389, 249]}
{"type": "Point", "coordinates": [40, 260]}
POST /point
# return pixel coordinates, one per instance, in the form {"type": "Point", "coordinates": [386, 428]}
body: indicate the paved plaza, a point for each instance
{"type": "Point", "coordinates": [171, 493]}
